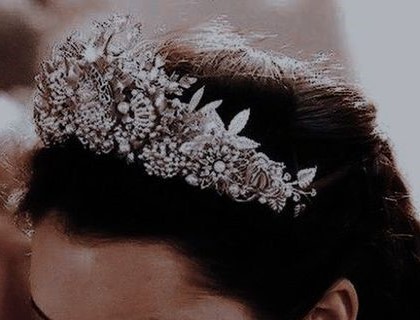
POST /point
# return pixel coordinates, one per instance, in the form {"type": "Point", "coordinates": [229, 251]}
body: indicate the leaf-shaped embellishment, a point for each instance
{"type": "Point", "coordinates": [210, 107]}
{"type": "Point", "coordinates": [159, 61]}
{"type": "Point", "coordinates": [214, 124]}
{"type": "Point", "coordinates": [195, 100]}
{"type": "Point", "coordinates": [211, 121]}
{"type": "Point", "coordinates": [277, 204]}
{"type": "Point", "coordinates": [305, 177]}
{"type": "Point", "coordinates": [186, 82]}
{"type": "Point", "coordinates": [239, 122]}
{"type": "Point", "coordinates": [244, 143]}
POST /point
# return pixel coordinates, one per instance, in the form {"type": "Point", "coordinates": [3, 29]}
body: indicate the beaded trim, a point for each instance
{"type": "Point", "coordinates": [111, 91]}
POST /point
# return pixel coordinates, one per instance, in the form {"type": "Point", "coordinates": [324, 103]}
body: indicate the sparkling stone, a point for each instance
{"type": "Point", "coordinates": [234, 189]}
{"type": "Point", "coordinates": [91, 54]}
{"type": "Point", "coordinates": [69, 128]}
{"type": "Point", "coordinates": [123, 107]}
{"type": "Point", "coordinates": [287, 177]}
{"type": "Point", "coordinates": [219, 166]}
{"type": "Point", "coordinates": [125, 148]}
{"type": "Point", "coordinates": [262, 200]}
{"type": "Point", "coordinates": [288, 192]}
{"type": "Point", "coordinates": [131, 157]}
{"type": "Point", "coordinates": [126, 119]}
{"type": "Point", "coordinates": [192, 180]}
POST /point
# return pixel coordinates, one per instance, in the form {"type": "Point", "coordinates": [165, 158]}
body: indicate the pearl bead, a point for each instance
{"type": "Point", "coordinates": [219, 166]}
{"type": "Point", "coordinates": [123, 107]}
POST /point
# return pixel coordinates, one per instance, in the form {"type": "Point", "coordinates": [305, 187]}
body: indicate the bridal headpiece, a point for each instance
{"type": "Point", "coordinates": [111, 91]}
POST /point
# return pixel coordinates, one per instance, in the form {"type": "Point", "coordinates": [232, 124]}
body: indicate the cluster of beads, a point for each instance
{"type": "Point", "coordinates": [111, 91]}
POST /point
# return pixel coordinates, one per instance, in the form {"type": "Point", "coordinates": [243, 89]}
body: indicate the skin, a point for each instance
{"type": "Point", "coordinates": [119, 280]}
{"type": "Point", "coordinates": [80, 278]}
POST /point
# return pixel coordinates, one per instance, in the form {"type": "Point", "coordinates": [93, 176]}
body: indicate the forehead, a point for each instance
{"type": "Point", "coordinates": [118, 280]}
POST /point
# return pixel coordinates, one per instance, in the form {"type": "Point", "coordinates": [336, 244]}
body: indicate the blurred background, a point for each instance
{"type": "Point", "coordinates": [374, 41]}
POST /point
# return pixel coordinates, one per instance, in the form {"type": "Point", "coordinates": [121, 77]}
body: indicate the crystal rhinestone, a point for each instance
{"type": "Point", "coordinates": [234, 189]}
{"type": "Point", "coordinates": [288, 191]}
{"type": "Point", "coordinates": [124, 148]}
{"type": "Point", "coordinates": [91, 54]}
{"type": "Point", "coordinates": [219, 166]}
{"type": "Point", "coordinates": [262, 200]}
{"type": "Point", "coordinates": [192, 180]}
{"type": "Point", "coordinates": [84, 91]}
{"type": "Point", "coordinates": [123, 107]}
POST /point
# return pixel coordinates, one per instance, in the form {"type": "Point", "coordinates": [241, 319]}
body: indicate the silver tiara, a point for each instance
{"type": "Point", "coordinates": [111, 91]}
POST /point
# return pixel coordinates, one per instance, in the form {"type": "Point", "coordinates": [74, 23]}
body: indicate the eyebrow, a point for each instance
{"type": "Point", "coordinates": [38, 310]}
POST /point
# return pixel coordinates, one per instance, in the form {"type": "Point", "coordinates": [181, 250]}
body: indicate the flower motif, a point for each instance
{"type": "Point", "coordinates": [215, 165]}
{"type": "Point", "coordinates": [212, 125]}
{"type": "Point", "coordinates": [100, 90]}
{"type": "Point", "coordinates": [163, 159]}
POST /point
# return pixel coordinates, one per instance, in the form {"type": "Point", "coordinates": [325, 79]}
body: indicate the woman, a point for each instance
{"type": "Point", "coordinates": [194, 177]}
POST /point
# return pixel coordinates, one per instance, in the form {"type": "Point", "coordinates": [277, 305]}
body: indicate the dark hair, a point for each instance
{"type": "Point", "coordinates": [360, 226]}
